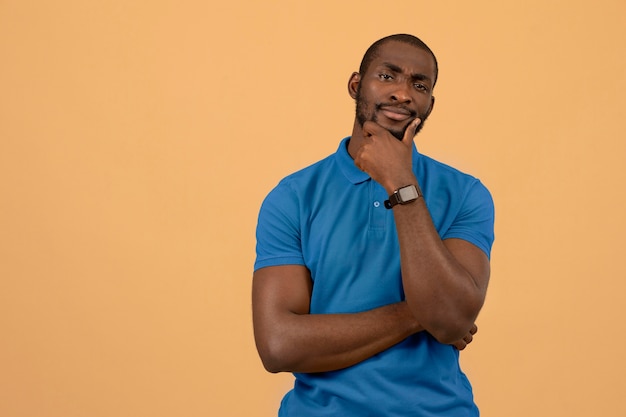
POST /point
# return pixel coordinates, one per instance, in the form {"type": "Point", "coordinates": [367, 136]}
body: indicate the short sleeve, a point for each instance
{"type": "Point", "coordinates": [278, 229]}
{"type": "Point", "coordinates": [475, 221]}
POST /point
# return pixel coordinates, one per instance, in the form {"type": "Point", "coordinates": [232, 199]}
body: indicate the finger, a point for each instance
{"type": "Point", "coordinates": [474, 329]}
{"type": "Point", "coordinates": [460, 345]}
{"type": "Point", "coordinates": [409, 133]}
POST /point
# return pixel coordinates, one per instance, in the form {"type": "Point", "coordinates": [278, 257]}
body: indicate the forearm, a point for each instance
{"type": "Point", "coordinates": [327, 342]}
{"type": "Point", "coordinates": [439, 290]}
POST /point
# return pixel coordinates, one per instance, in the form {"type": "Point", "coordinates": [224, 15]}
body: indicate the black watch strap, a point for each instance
{"type": "Point", "coordinates": [403, 195]}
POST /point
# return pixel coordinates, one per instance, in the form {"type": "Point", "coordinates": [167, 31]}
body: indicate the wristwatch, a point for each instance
{"type": "Point", "coordinates": [403, 195]}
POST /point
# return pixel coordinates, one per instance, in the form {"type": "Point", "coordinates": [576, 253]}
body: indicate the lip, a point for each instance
{"type": "Point", "coordinates": [396, 113]}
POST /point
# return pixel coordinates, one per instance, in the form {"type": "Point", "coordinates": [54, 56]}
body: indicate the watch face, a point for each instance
{"type": "Point", "coordinates": [407, 193]}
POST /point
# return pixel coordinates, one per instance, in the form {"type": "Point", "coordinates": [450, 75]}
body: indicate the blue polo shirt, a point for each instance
{"type": "Point", "coordinates": [330, 217]}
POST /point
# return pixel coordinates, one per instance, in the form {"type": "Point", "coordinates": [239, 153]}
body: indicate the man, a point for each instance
{"type": "Point", "coordinates": [372, 264]}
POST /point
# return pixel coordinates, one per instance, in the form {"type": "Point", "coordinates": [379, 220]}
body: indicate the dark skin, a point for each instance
{"type": "Point", "coordinates": [445, 282]}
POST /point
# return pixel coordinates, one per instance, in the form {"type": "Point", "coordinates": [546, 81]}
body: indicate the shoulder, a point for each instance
{"type": "Point", "coordinates": [443, 178]}
{"type": "Point", "coordinates": [460, 204]}
{"type": "Point", "coordinates": [335, 168]}
{"type": "Point", "coordinates": [440, 168]}
{"type": "Point", "coordinates": [302, 179]}
{"type": "Point", "coordinates": [296, 191]}
{"type": "Point", "coordinates": [283, 213]}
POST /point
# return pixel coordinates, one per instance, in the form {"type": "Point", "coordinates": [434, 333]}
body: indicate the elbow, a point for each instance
{"type": "Point", "coordinates": [274, 356]}
{"type": "Point", "coordinates": [271, 365]}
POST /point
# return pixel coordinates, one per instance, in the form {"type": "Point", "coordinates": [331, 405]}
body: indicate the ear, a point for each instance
{"type": "Point", "coordinates": [353, 84]}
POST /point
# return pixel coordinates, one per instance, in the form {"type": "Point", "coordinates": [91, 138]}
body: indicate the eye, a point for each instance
{"type": "Point", "coordinates": [385, 77]}
{"type": "Point", "coordinates": [420, 87]}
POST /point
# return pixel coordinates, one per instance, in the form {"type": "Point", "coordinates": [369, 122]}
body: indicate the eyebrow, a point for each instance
{"type": "Point", "coordinates": [397, 69]}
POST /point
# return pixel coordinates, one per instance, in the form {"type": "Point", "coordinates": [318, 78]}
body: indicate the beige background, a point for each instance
{"type": "Point", "coordinates": [138, 139]}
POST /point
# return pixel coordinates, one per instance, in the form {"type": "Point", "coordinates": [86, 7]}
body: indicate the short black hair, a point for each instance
{"type": "Point", "coordinates": [372, 51]}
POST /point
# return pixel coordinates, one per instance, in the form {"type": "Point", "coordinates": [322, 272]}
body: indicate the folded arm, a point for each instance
{"type": "Point", "coordinates": [290, 339]}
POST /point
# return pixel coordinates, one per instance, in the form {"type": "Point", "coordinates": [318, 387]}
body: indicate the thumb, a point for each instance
{"type": "Point", "coordinates": [410, 131]}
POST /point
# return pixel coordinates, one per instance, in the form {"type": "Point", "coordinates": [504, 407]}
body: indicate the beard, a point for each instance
{"type": "Point", "coordinates": [365, 113]}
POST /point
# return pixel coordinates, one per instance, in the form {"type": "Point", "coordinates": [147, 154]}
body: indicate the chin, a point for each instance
{"type": "Point", "coordinates": [397, 133]}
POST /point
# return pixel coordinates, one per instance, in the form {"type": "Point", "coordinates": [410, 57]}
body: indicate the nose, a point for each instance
{"type": "Point", "coordinates": [401, 93]}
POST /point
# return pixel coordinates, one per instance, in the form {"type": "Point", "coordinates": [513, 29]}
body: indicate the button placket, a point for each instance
{"type": "Point", "coordinates": [378, 213]}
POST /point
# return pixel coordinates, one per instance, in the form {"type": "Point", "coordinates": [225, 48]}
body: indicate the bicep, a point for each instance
{"type": "Point", "coordinates": [472, 259]}
{"type": "Point", "coordinates": [279, 291]}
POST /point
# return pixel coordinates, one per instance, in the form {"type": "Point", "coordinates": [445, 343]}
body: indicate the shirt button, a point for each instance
{"type": "Point", "coordinates": [376, 204]}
